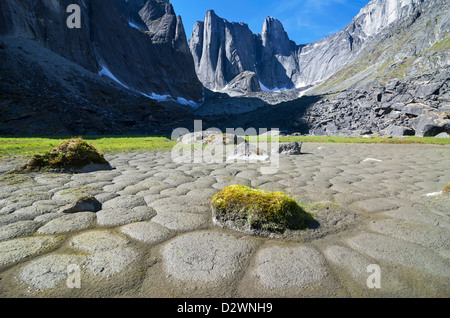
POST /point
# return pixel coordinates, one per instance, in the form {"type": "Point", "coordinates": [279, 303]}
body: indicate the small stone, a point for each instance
{"type": "Point", "coordinates": [86, 203]}
{"type": "Point", "coordinates": [292, 148]}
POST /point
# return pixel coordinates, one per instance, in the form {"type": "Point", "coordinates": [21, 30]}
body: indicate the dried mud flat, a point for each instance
{"type": "Point", "coordinates": [154, 236]}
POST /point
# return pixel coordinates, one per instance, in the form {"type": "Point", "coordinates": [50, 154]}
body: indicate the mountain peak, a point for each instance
{"type": "Point", "coordinates": [274, 37]}
{"type": "Point", "coordinates": [211, 14]}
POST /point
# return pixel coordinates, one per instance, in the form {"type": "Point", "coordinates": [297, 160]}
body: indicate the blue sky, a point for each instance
{"type": "Point", "coordinates": [304, 20]}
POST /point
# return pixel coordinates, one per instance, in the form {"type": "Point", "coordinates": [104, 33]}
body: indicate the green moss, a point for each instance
{"type": "Point", "coordinates": [80, 191]}
{"type": "Point", "coordinates": [250, 209]}
{"type": "Point", "coordinates": [74, 153]}
{"type": "Point", "coordinates": [12, 178]}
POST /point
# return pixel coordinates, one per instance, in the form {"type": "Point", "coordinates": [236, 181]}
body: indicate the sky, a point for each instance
{"type": "Point", "coordinates": [305, 21]}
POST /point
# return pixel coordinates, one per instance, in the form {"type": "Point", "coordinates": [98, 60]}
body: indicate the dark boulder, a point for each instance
{"type": "Point", "coordinates": [431, 124]}
{"type": "Point", "coordinates": [291, 148]}
{"type": "Point", "coordinates": [85, 203]}
{"type": "Point", "coordinates": [243, 83]}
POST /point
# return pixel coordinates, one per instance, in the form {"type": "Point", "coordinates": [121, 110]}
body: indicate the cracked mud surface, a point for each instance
{"type": "Point", "coordinates": [155, 237]}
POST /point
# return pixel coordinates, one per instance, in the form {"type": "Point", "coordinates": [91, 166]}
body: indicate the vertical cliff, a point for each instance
{"type": "Point", "coordinates": [278, 61]}
{"type": "Point", "coordinates": [221, 50]}
{"type": "Point", "coordinates": [141, 43]}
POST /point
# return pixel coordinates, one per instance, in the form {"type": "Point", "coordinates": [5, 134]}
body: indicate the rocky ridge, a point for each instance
{"type": "Point", "coordinates": [396, 49]}
{"type": "Point", "coordinates": [151, 60]}
{"type": "Point", "coordinates": [415, 106]}
{"type": "Point", "coordinates": [44, 93]}
{"type": "Point", "coordinates": [223, 49]}
{"type": "Point", "coordinates": [393, 81]}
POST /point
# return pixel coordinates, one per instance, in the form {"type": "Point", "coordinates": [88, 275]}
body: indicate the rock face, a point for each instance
{"type": "Point", "coordinates": [387, 72]}
{"type": "Point", "coordinates": [154, 59]}
{"type": "Point", "coordinates": [244, 83]}
{"type": "Point", "coordinates": [278, 65]}
{"type": "Point", "coordinates": [44, 93]}
{"type": "Point", "coordinates": [415, 105]}
{"type": "Point", "coordinates": [389, 67]}
{"type": "Point", "coordinates": [413, 44]}
{"type": "Point", "coordinates": [223, 49]}
{"type": "Point", "coordinates": [323, 58]}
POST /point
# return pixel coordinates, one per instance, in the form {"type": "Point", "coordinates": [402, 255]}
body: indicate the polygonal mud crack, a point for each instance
{"type": "Point", "coordinates": [205, 256]}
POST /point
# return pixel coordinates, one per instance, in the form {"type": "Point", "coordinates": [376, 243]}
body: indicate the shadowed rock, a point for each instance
{"type": "Point", "coordinates": [85, 203]}
{"type": "Point", "coordinates": [292, 148]}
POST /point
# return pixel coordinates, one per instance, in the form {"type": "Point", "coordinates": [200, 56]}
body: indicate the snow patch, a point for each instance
{"type": "Point", "coordinates": [276, 89]}
{"type": "Point", "coordinates": [168, 98]}
{"type": "Point", "coordinates": [159, 98]}
{"type": "Point", "coordinates": [105, 71]}
{"type": "Point", "coordinates": [318, 44]}
{"type": "Point", "coordinates": [305, 53]}
{"type": "Point", "coordinates": [372, 159]}
{"type": "Point", "coordinates": [433, 194]}
{"type": "Point", "coordinates": [134, 25]}
{"type": "Point", "coordinates": [184, 101]}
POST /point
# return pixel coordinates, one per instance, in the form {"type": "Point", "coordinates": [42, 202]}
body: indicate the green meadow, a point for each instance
{"type": "Point", "coordinates": [29, 146]}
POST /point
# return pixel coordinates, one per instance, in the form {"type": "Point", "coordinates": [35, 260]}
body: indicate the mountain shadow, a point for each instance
{"type": "Point", "coordinates": [279, 116]}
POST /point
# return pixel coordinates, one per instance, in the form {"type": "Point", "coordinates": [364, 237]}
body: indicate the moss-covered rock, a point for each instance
{"type": "Point", "coordinates": [257, 211]}
{"type": "Point", "coordinates": [71, 155]}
